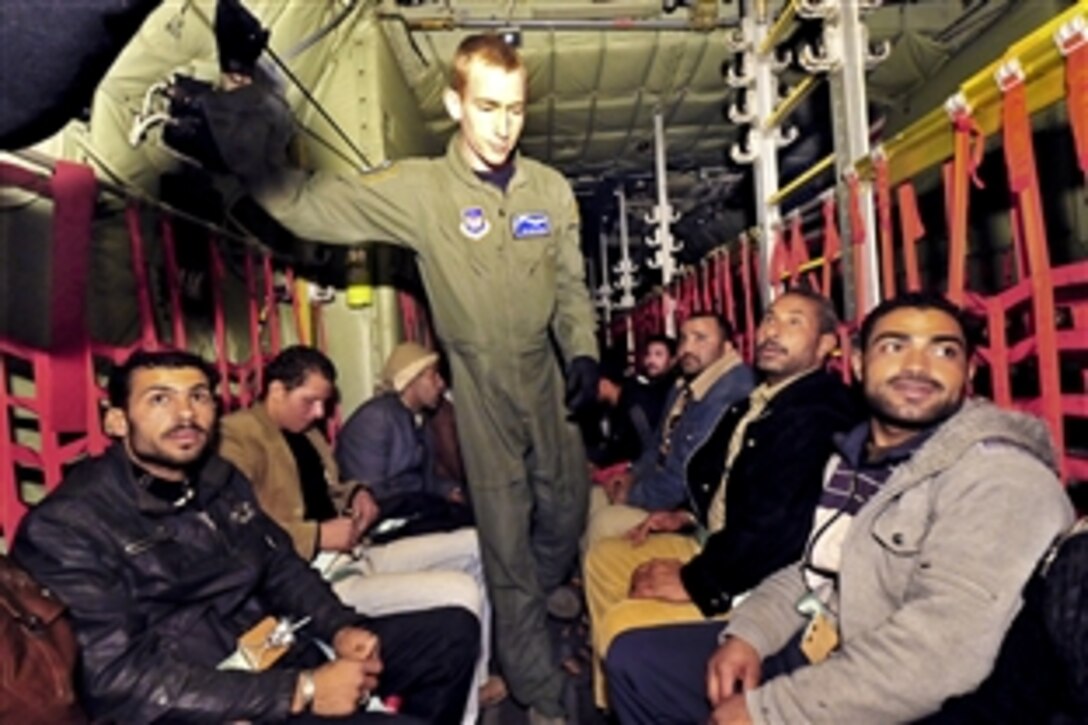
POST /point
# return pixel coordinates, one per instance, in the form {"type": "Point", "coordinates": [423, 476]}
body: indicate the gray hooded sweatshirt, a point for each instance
{"type": "Point", "coordinates": [930, 578]}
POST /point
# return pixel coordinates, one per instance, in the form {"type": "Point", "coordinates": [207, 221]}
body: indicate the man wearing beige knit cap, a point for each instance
{"type": "Point", "coordinates": [386, 445]}
{"type": "Point", "coordinates": [277, 445]}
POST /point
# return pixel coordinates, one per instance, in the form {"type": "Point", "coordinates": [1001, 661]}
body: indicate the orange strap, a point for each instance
{"type": "Point", "coordinates": [748, 283]}
{"type": "Point", "coordinates": [256, 355]}
{"type": "Point", "coordinates": [173, 284]}
{"type": "Point", "coordinates": [970, 143]}
{"type": "Point", "coordinates": [798, 250]}
{"type": "Point", "coordinates": [222, 354]}
{"type": "Point", "coordinates": [148, 336]}
{"type": "Point", "coordinates": [1024, 185]}
{"type": "Point", "coordinates": [272, 305]}
{"type": "Point", "coordinates": [1076, 83]}
{"type": "Point", "coordinates": [727, 279]}
{"type": "Point", "coordinates": [832, 244]}
{"type": "Point", "coordinates": [857, 239]}
{"type": "Point", "coordinates": [780, 259]}
{"type": "Point", "coordinates": [913, 230]}
{"type": "Point", "coordinates": [884, 219]}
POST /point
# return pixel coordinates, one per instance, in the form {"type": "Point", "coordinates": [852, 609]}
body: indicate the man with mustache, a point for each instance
{"type": "Point", "coordinates": [164, 559]}
{"type": "Point", "coordinates": [277, 443]}
{"type": "Point", "coordinates": [751, 490]}
{"type": "Point", "coordinates": [713, 377]}
{"type": "Point", "coordinates": [933, 515]}
{"type": "Point", "coordinates": [649, 390]}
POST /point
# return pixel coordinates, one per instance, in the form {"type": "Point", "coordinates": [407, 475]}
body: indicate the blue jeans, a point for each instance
{"type": "Point", "coordinates": [658, 675]}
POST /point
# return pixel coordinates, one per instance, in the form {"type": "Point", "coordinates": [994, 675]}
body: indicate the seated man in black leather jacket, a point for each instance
{"type": "Point", "coordinates": [164, 559]}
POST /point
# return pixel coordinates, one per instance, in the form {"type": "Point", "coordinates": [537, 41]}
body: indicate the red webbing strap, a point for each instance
{"type": "Point", "coordinates": [148, 337]}
{"type": "Point", "coordinates": [11, 504]}
{"type": "Point", "coordinates": [1024, 185]}
{"type": "Point", "coordinates": [222, 361]}
{"type": "Point", "coordinates": [884, 226]}
{"type": "Point", "coordinates": [663, 307]}
{"type": "Point", "coordinates": [706, 267]}
{"type": "Point", "coordinates": [832, 244]}
{"type": "Point", "coordinates": [173, 285]}
{"type": "Point", "coordinates": [727, 280]}
{"type": "Point", "coordinates": [74, 190]}
{"type": "Point", "coordinates": [798, 251]}
{"type": "Point", "coordinates": [296, 305]}
{"type": "Point", "coordinates": [640, 324]}
{"type": "Point", "coordinates": [998, 346]}
{"type": "Point", "coordinates": [672, 304]}
{"type": "Point", "coordinates": [969, 146]}
{"type": "Point", "coordinates": [713, 282]}
{"type": "Point", "coordinates": [683, 301]}
{"type": "Point", "coordinates": [256, 357]}
{"type": "Point", "coordinates": [746, 275]}
{"type": "Point", "coordinates": [409, 322]}
{"type": "Point", "coordinates": [780, 260]}
{"type": "Point", "coordinates": [1019, 250]}
{"type": "Point", "coordinates": [1076, 85]}
{"type": "Point", "coordinates": [272, 306]}
{"type": "Point", "coordinates": [691, 292]}
{"type": "Point", "coordinates": [857, 242]}
{"type": "Point", "coordinates": [12, 175]}
{"type": "Point", "coordinates": [913, 231]}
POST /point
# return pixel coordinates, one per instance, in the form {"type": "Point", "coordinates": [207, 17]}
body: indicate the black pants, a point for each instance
{"type": "Point", "coordinates": [428, 659]}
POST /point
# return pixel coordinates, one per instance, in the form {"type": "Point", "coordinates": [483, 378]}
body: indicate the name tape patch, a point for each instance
{"type": "Point", "coordinates": [531, 224]}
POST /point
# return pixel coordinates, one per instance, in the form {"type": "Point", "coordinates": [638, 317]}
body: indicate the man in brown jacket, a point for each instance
{"type": "Point", "coordinates": [279, 447]}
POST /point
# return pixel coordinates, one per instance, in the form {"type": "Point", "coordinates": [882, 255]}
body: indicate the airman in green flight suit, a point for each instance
{"type": "Point", "coordinates": [497, 240]}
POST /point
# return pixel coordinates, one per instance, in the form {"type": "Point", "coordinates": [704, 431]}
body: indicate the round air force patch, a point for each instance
{"type": "Point", "coordinates": [474, 224]}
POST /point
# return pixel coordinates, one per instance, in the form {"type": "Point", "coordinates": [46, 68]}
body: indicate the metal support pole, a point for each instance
{"type": "Point", "coordinates": [626, 270]}
{"type": "Point", "coordinates": [764, 148]}
{"type": "Point", "coordinates": [663, 216]}
{"type": "Point", "coordinates": [846, 41]}
{"type": "Point", "coordinates": [604, 290]}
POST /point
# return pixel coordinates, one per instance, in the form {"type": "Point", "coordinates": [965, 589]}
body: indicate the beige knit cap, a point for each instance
{"type": "Point", "coordinates": [405, 363]}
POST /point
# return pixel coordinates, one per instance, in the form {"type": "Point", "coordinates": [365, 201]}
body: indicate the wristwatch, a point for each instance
{"type": "Point", "coordinates": [307, 688]}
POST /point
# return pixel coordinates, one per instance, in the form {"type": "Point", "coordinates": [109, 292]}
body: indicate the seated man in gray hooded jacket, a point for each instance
{"type": "Point", "coordinates": [933, 515]}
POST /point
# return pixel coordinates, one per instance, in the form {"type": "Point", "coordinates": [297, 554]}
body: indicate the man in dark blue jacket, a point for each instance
{"type": "Point", "coordinates": [713, 378]}
{"type": "Point", "coordinates": [385, 444]}
{"type": "Point", "coordinates": [164, 560]}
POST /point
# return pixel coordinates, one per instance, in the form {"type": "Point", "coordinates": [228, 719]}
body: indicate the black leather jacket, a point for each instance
{"type": "Point", "coordinates": [774, 485]}
{"type": "Point", "coordinates": [158, 595]}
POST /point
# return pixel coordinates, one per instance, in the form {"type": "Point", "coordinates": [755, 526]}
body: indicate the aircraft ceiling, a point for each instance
{"type": "Point", "coordinates": [594, 87]}
{"type": "Point", "coordinates": [594, 90]}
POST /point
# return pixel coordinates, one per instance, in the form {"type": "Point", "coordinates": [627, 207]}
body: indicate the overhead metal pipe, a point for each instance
{"type": "Point", "coordinates": [824, 164]}
{"type": "Point", "coordinates": [790, 102]}
{"type": "Point", "coordinates": [445, 23]}
{"type": "Point", "coordinates": [777, 31]}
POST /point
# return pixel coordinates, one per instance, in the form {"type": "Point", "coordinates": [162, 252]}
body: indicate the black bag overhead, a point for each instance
{"type": "Point", "coordinates": [61, 50]}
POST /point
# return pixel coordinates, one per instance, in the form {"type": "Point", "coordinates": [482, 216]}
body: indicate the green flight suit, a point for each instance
{"type": "Point", "coordinates": [504, 276]}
